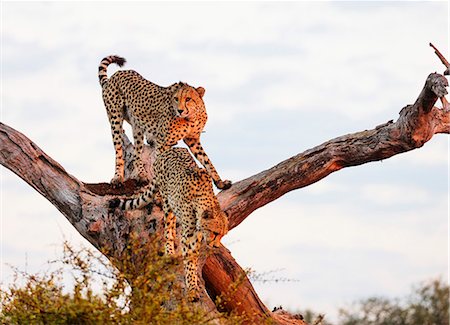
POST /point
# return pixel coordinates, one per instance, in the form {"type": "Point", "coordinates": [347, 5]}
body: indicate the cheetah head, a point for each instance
{"type": "Point", "coordinates": [214, 225]}
{"type": "Point", "coordinates": [188, 101]}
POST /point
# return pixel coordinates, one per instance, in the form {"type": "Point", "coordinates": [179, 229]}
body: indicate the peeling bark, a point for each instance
{"type": "Point", "coordinates": [85, 205]}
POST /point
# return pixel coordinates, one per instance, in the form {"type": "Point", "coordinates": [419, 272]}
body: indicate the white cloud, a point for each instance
{"type": "Point", "coordinates": [390, 194]}
{"type": "Point", "coordinates": [326, 186]}
{"type": "Point", "coordinates": [433, 154]}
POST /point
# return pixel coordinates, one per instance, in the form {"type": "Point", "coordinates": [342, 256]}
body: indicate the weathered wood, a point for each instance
{"type": "Point", "coordinates": [86, 205]}
{"type": "Point", "coordinates": [415, 126]}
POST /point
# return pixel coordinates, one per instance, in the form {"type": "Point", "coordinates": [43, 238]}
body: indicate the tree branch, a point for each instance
{"type": "Point", "coordinates": [41, 172]}
{"type": "Point", "coordinates": [416, 125]}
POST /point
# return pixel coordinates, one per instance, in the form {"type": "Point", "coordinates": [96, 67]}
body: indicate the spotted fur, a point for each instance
{"type": "Point", "coordinates": [163, 115]}
{"type": "Point", "coordinates": [187, 195]}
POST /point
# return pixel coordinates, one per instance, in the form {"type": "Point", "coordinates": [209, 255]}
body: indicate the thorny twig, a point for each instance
{"type": "Point", "coordinates": [319, 319]}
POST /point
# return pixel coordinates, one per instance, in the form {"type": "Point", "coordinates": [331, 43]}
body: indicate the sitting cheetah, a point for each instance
{"type": "Point", "coordinates": [164, 115]}
{"type": "Point", "coordinates": [187, 195]}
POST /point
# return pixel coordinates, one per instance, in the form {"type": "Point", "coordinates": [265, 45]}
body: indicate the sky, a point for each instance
{"type": "Point", "coordinates": [280, 78]}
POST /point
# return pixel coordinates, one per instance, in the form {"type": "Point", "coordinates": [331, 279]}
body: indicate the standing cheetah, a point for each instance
{"type": "Point", "coordinates": [188, 196]}
{"type": "Point", "coordinates": [164, 115]}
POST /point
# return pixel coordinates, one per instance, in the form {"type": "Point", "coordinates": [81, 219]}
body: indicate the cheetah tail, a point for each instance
{"type": "Point", "coordinates": [136, 202]}
{"type": "Point", "coordinates": [102, 76]}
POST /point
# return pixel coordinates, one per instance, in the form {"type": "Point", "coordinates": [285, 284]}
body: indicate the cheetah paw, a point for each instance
{"type": "Point", "coordinates": [117, 181]}
{"type": "Point", "coordinates": [140, 178]}
{"type": "Point", "coordinates": [223, 185]}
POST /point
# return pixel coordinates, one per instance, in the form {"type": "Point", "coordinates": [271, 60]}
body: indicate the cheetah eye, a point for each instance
{"type": "Point", "coordinates": [176, 99]}
{"type": "Point", "coordinates": [188, 99]}
{"type": "Point", "coordinates": [206, 215]}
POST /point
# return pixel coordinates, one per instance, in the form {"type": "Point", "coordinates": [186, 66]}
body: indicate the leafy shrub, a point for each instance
{"type": "Point", "coordinates": [427, 305]}
{"type": "Point", "coordinates": [145, 291]}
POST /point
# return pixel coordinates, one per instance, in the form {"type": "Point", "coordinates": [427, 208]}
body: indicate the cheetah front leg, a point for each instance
{"type": "Point", "coordinates": [139, 173]}
{"type": "Point", "coordinates": [197, 149]}
{"type": "Point", "coordinates": [190, 246]}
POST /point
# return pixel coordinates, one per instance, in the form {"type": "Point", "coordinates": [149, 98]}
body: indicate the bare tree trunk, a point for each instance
{"type": "Point", "coordinates": [86, 205]}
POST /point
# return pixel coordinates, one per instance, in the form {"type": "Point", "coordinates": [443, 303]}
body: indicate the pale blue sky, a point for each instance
{"type": "Point", "coordinates": [280, 78]}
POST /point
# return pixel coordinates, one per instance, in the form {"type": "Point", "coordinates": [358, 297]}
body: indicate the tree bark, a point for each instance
{"type": "Point", "coordinates": [86, 205]}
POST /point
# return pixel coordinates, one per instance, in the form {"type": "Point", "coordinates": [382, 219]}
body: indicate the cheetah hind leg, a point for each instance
{"type": "Point", "coordinates": [139, 173]}
{"type": "Point", "coordinates": [118, 179]}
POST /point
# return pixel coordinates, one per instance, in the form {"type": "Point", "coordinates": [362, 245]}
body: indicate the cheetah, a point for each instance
{"type": "Point", "coordinates": [163, 115]}
{"type": "Point", "coordinates": [187, 195]}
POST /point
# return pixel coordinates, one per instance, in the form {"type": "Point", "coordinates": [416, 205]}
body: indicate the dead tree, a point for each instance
{"type": "Point", "coordinates": [86, 205]}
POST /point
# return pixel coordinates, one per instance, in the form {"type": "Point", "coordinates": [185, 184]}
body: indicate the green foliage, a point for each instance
{"type": "Point", "coordinates": [42, 299]}
{"type": "Point", "coordinates": [427, 305]}
{"type": "Point", "coordinates": [146, 291]}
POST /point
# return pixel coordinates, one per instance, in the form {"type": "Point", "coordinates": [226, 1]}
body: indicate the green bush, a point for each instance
{"type": "Point", "coordinates": [144, 292]}
{"type": "Point", "coordinates": [147, 291]}
{"type": "Point", "coordinates": [427, 305]}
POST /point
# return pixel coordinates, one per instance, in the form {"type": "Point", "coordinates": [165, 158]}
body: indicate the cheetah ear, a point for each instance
{"type": "Point", "coordinates": [201, 91]}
